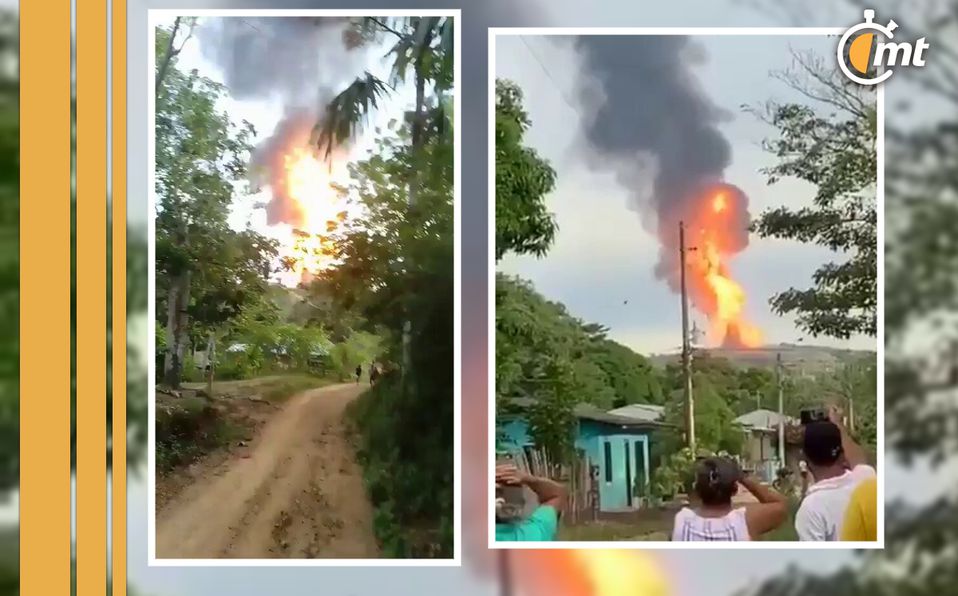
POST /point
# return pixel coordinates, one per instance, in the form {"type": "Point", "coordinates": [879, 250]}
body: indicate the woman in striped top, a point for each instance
{"type": "Point", "coordinates": [715, 519]}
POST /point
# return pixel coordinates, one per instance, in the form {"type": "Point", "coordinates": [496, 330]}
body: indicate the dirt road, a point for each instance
{"type": "Point", "coordinates": [295, 492]}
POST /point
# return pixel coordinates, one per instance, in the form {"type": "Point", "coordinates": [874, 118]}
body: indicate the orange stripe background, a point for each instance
{"type": "Point", "coordinates": [44, 297]}
{"type": "Point", "coordinates": [119, 297]}
{"type": "Point", "coordinates": [91, 324]}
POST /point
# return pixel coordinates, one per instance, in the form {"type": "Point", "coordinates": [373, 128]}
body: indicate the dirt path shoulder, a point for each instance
{"type": "Point", "coordinates": [295, 492]}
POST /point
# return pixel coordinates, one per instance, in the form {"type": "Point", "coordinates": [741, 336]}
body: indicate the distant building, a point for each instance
{"type": "Point", "coordinates": [761, 440]}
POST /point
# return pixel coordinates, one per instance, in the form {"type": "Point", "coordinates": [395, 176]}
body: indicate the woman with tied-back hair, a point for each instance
{"type": "Point", "coordinates": [713, 518]}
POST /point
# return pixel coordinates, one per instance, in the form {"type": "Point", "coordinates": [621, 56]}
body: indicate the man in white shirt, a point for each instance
{"type": "Point", "coordinates": [837, 465]}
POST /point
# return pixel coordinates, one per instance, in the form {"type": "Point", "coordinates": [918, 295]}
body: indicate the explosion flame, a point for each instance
{"type": "Point", "coordinates": [720, 213]}
{"type": "Point", "coordinates": [307, 205]}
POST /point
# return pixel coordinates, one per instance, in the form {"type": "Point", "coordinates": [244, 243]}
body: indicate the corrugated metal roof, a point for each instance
{"type": "Point", "coordinates": [646, 412]}
{"type": "Point", "coordinates": [762, 419]}
{"type": "Point", "coordinates": [585, 411]}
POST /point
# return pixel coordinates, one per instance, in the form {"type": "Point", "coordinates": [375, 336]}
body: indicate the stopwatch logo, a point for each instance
{"type": "Point", "coordinates": [868, 61]}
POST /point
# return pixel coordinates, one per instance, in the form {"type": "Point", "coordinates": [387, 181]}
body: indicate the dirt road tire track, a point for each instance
{"type": "Point", "coordinates": [296, 493]}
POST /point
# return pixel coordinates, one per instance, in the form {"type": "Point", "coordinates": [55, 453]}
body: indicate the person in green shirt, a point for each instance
{"type": "Point", "coordinates": [511, 524]}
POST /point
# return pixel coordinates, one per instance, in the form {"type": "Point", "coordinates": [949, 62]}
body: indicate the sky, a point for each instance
{"type": "Point", "coordinates": [603, 255]}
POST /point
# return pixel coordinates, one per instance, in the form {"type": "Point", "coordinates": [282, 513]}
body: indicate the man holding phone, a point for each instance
{"type": "Point", "coordinates": [837, 466]}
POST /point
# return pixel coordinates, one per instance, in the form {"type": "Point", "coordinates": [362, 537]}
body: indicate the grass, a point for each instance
{"type": "Point", "coordinates": [602, 531]}
{"type": "Point", "coordinates": [660, 529]}
{"type": "Point", "coordinates": [191, 427]}
{"type": "Point", "coordinates": [281, 389]}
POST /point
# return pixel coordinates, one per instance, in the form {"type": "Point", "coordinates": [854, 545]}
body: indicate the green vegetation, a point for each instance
{"type": "Point", "coordinates": [190, 429]}
{"type": "Point", "coordinates": [837, 153]}
{"type": "Point", "coordinates": [9, 256]}
{"type": "Point", "coordinates": [213, 282]}
{"type": "Point", "coordinates": [523, 179]}
{"type": "Point", "coordinates": [921, 300]}
{"type": "Point", "coordinates": [545, 353]}
{"type": "Point", "coordinates": [396, 273]}
{"type": "Point", "coordinates": [279, 390]}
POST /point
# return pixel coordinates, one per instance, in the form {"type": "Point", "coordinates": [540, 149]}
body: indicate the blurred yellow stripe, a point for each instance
{"type": "Point", "coordinates": [44, 297]}
{"type": "Point", "coordinates": [91, 259]}
{"type": "Point", "coordinates": [119, 297]}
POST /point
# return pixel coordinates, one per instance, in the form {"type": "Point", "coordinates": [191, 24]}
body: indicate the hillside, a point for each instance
{"type": "Point", "coordinates": [802, 359]}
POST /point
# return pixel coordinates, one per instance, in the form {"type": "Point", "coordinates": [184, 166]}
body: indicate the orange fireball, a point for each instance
{"type": "Point", "coordinates": [714, 292]}
{"type": "Point", "coordinates": [308, 249]}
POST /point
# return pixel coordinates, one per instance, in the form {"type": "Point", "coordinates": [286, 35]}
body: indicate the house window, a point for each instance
{"type": "Point", "coordinates": [608, 461]}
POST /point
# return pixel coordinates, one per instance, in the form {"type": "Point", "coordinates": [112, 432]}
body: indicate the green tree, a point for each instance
{"type": "Point", "coordinates": [544, 353]}
{"type": "Point", "coordinates": [523, 179]}
{"type": "Point", "coordinates": [395, 264]}
{"type": "Point", "coordinates": [836, 152]}
{"type": "Point", "coordinates": [425, 46]}
{"type": "Point", "coordinates": [921, 298]}
{"type": "Point", "coordinates": [205, 270]}
{"type": "Point", "coordinates": [9, 255]}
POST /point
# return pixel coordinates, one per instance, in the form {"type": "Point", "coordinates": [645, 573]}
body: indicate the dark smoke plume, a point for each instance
{"type": "Point", "coordinates": [650, 121]}
{"type": "Point", "coordinates": [296, 59]}
{"type": "Point", "coordinates": [299, 61]}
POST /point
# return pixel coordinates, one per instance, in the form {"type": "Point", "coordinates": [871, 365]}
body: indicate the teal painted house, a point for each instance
{"type": "Point", "coordinates": [617, 443]}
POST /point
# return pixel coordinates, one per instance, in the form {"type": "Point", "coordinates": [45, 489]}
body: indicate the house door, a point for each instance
{"type": "Point", "coordinates": [612, 491]}
{"type": "Point", "coordinates": [641, 464]}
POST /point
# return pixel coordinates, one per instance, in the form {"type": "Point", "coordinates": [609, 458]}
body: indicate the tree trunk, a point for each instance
{"type": "Point", "coordinates": [210, 351]}
{"type": "Point", "coordinates": [177, 326]}
{"type": "Point", "coordinates": [167, 57]}
{"type": "Point", "coordinates": [417, 140]}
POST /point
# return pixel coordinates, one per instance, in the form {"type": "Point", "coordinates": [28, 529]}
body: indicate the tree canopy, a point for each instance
{"type": "Point", "coordinates": [836, 152]}
{"type": "Point", "coordinates": [523, 179]}
{"type": "Point", "coordinates": [206, 271]}
{"type": "Point", "coordinates": [544, 353]}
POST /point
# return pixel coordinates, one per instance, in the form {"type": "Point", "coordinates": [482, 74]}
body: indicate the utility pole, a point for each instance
{"type": "Point", "coordinates": [781, 411]}
{"type": "Point", "coordinates": [686, 348]}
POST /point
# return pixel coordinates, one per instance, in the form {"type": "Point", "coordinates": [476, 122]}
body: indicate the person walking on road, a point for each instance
{"type": "Point", "coordinates": [359, 372]}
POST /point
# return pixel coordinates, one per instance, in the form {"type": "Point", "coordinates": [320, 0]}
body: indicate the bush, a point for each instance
{"type": "Point", "coordinates": [237, 366]}
{"type": "Point", "coordinates": [189, 429]}
{"type": "Point", "coordinates": [191, 374]}
{"type": "Point", "coordinates": [408, 475]}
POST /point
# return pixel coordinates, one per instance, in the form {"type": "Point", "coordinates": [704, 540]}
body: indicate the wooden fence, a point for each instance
{"type": "Point", "coordinates": [578, 478]}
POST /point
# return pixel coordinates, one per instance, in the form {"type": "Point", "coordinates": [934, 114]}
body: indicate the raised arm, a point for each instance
{"type": "Point", "coordinates": [769, 513]}
{"type": "Point", "coordinates": [548, 492]}
{"type": "Point", "coordinates": [854, 454]}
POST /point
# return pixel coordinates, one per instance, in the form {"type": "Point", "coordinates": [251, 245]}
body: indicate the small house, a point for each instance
{"type": "Point", "coordinates": [761, 441]}
{"type": "Point", "coordinates": [617, 446]}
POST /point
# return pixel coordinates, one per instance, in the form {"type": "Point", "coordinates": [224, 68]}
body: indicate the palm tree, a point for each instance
{"type": "Point", "coordinates": [426, 45]}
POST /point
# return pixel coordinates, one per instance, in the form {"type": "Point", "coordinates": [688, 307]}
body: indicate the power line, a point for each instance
{"type": "Point", "coordinates": [548, 74]}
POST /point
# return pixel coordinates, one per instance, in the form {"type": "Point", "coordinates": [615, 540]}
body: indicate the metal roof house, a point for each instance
{"type": "Point", "coordinates": [761, 441]}
{"type": "Point", "coordinates": [616, 443]}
